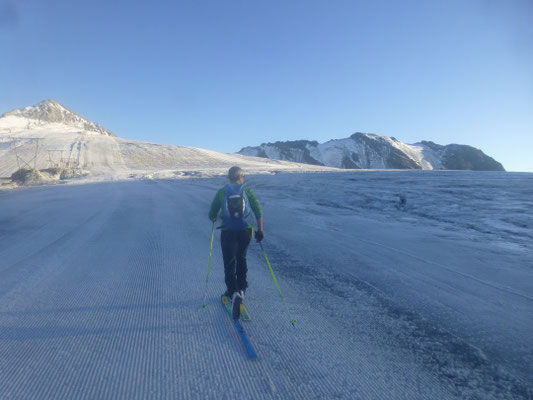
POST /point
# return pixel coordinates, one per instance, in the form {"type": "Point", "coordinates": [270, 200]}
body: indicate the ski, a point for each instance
{"type": "Point", "coordinates": [250, 351]}
{"type": "Point", "coordinates": [245, 315]}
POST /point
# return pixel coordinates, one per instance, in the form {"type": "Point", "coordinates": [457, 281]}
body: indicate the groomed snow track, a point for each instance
{"type": "Point", "coordinates": [100, 298]}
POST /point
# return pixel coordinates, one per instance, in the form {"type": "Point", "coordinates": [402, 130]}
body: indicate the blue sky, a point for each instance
{"type": "Point", "coordinates": [222, 75]}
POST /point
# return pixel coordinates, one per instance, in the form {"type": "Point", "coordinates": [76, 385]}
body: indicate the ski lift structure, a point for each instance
{"type": "Point", "coordinates": [55, 158]}
{"type": "Point", "coordinates": [24, 162]}
{"type": "Point", "coordinates": [68, 162]}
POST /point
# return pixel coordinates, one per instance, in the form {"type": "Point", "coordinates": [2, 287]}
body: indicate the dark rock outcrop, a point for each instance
{"type": "Point", "coordinates": [463, 157]}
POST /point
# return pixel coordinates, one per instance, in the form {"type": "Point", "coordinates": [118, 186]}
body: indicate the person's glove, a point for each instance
{"type": "Point", "coordinates": [259, 236]}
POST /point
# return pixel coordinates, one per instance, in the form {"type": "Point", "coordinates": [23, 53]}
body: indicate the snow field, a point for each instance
{"type": "Point", "coordinates": [101, 289]}
{"type": "Point", "coordinates": [460, 292]}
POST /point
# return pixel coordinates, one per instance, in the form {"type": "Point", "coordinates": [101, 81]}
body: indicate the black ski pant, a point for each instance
{"type": "Point", "coordinates": [234, 247]}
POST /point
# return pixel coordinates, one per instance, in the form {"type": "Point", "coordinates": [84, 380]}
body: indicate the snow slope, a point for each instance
{"type": "Point", "coordinates": [72, 140]}
{"type": "Point", "coordinates": [101, 288]}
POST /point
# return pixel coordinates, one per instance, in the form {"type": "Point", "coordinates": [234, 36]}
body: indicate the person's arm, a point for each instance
{"type": "Point", "coordinates": [256, 208]}
{"type": "Point", "coordinates": [259, 235]}
{"type": "Point", "coordinates": [216, 205]}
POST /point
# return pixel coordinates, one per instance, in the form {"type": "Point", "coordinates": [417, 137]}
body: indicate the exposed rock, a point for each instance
{"type": "Point", "coordinates": [466, 157]}
{"type": "Point", "coordinates": [371, 151]}
{"type": "Point", "coordinates": [71, 173]}
{"type": "Point", "coordinates": [28, 177]}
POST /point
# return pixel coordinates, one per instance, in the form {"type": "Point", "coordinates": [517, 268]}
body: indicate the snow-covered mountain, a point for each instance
{"type": "Point", "coordinates": [50, 111]}
{"type": "Point", "coordinates": [50, 135]}
{"type": "Point", "coordinates": [370, 151]}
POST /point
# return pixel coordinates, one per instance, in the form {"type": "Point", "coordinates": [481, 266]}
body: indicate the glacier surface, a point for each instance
{"type": "Point", "coordinates": [405, 285]}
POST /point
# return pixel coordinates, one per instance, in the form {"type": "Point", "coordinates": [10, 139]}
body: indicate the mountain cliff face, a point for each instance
{"type": "Point", "coordinates": [50, 111]}
{"type": "Point", "coordinates": [370, 151]}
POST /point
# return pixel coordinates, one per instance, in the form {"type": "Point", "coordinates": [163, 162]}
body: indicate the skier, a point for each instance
{"type": "Point", "coordinates": [235, 200]}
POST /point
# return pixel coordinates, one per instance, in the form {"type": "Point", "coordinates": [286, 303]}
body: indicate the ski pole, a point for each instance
{"type": "Point", "coordinates": [208, 265]}
{"type": "Point", "coordinates": [276, 282]}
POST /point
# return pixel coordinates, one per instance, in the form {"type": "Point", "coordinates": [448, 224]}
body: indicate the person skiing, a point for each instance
{"type": "Point", "coordinates": [235, 200]}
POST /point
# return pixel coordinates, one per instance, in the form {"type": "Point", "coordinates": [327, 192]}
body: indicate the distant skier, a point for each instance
{"type": "Point", "coordinates": [235, 200]}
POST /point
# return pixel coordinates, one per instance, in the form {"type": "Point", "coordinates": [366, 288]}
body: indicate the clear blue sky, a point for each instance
{"type": "Point", "coordinates": [222, 75]}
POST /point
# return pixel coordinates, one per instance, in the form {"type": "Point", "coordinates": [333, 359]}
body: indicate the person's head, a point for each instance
{"type": "Point", "coordinates": [236, 174]}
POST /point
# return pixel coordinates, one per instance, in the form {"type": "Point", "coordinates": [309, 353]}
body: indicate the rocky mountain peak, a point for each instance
{"type": "Point", "coordinates": [51, 111]}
